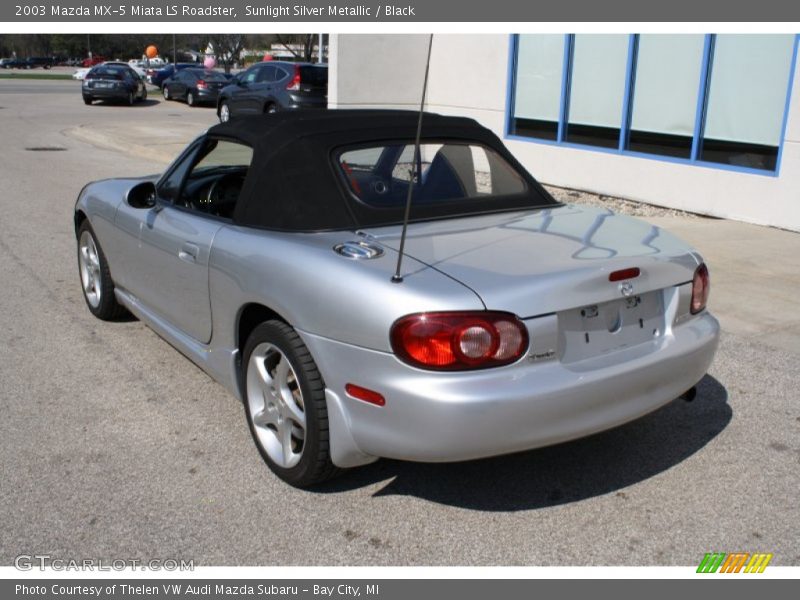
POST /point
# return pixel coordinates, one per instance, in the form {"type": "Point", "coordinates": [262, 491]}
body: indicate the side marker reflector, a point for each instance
{"type": "Point", "coordinates": [365, 395]}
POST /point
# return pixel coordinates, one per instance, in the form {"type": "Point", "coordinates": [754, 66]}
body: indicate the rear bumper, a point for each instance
{"type": "Point", "coordinates": [106, 93]}
{"type": "Point", "coordinates": [438, 417]}
{"type": "Point", "coordinates": [206, 95]}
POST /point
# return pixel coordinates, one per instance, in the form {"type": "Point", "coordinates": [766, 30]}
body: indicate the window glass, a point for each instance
{"type": "Point", "coordinates": [599, 72]}
{"type": "Point", "coordinates": [265, 75]}
{"type": "Point", "coordinates": [315, 76]}
{"type": "Point", "coordinates": [170, 187]}
{"type": "Point", "coordinates": [746, 99]}
{"type": "Point", "coordinates": [537, 85]}
{"type": "Point", "coordinates": [214, 183]}
{"type": "Point", "coordinates": [380, 175]}
{"type": "Point", "coordinates": [667, 80]}
{"type": "Point", "coordinates": [250, 75]}
{"type": "Point", "coordinates": [213, 76]}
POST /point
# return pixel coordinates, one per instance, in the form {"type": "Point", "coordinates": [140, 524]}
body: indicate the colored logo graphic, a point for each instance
{"type": "Point", "coordinates": [734, 563]}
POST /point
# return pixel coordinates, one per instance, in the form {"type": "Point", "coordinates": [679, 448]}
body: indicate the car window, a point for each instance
{"type": "Point", "coordinates": [380, 175]}
{"type": "Point", "coordinates": [214, 76]}
{"type": "Point", "coordinates": [315, 76]}
{"type": "Point", "coordinates": [106, 72]}
{"type": "Point", "coordinates": [250, 75]}
{"type": "Point", "coordinates": [170, 186]}
{"type": "Point", "coordinates": [214, 183]}
{"type": "Point", "coordinates": [265, 74]}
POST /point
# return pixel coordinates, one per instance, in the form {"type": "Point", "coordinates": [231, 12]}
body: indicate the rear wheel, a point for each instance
{"type": "Point", "coordinates": [285, 405]}
{"type": "Point", "coordinates": [96, 282]}
{"type": "Point", "coordinates": [143, 97]}
{"type": "Point", "coordinates": [87, 100]}
{"type": "Point", "coordinates": [131, 98]}
{"type": "Point", "coordinates": [270, 108]}
{"type": "Point", "coordinates": [166, 93]}
{"type": "Point", "coordinates": [190, 98]}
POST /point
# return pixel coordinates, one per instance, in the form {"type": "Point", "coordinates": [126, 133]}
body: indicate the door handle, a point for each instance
{"type": "Point", "coordinates": [189, 252]}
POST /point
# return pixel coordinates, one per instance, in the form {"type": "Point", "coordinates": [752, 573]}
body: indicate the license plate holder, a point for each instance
{"type": "Point", "coordinates": [606, 327]}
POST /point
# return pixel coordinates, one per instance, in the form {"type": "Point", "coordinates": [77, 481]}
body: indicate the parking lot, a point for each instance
{"type": "Point", "coordinates": [114, 445]}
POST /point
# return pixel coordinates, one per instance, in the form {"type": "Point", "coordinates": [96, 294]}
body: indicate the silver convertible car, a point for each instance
{"type": "Point", "coordinates": [266, 253]}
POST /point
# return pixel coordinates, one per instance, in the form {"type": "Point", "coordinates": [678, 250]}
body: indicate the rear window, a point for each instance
{"type": "Point", "coordinates": [314, 75]}
{"type": "Point", "coordinates": [212, 76]}
{"type": "Point", "coordinates": [106, 73]}
{"type": "Point", "coordinates": [380, 175]}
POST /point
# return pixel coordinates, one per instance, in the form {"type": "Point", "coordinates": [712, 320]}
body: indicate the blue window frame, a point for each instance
{"type": "Point", "coordinates": [727, 113]}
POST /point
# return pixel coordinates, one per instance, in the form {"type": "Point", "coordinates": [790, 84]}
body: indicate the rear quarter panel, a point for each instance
{"type": "Point", "coordinates": [300, 277]}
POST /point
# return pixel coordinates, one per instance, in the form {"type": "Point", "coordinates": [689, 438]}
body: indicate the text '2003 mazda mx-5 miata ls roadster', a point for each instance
{"type": "Point", "coordinates": [266, 254]}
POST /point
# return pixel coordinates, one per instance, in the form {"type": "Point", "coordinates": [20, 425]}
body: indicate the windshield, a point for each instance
{"type": "Point", "coordinates": [380, 175]}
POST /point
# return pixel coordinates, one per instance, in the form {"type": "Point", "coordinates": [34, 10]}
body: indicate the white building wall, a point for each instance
{"type": "Point", "coordinates": [469, 77]}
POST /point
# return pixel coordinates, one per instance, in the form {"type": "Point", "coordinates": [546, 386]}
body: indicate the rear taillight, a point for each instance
{"type": "Point", "coordinates": [202, 84]}
{"type": "Point", "coordinates": [455, 341]}
{"type": "Point", "coordinates": [294, 84]}
{"type": "Point", "coordinates": [700, 289]}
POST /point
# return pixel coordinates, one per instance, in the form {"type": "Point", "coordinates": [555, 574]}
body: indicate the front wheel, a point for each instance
{"type": "Point", "coordinates": [285, 405]}
{"type": "Point", "coordinates": [224, 113]}
{"type": "Point", "coordinates": [131, 98]}
{"type": "Point", "coordinates": [166, 93]}
{"type": "Point", "coordinates": [96, 282]}
{"type": "Point", "coordinates": [87, 100]}
{"type": "Point", "coordinates": [144, 94]}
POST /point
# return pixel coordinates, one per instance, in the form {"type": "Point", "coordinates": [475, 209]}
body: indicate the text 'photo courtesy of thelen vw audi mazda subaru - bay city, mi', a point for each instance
{"type": "Point", "coordinates": [266, 253]}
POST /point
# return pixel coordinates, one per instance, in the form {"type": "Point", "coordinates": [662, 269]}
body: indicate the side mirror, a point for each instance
{"type": "Point", "coordinates": [142, 195]}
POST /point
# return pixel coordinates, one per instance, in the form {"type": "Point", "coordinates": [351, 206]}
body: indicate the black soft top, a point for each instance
{"type": "Point", "coordinates": [294, 185]}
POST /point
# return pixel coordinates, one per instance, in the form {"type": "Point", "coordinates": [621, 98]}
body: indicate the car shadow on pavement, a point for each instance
{"type": "Point", "coordinates": [137, 104]}
{"type": "Point", "coordinates": [604, 463]}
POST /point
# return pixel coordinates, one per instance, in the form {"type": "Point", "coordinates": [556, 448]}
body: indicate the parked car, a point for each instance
{"type": "Point", "coordinates": [274, 86]}
{"type": "Point", "coordinates": [5, 62]}
{"type": "Point", "coordinates": [267, 254]}
{"type": "Point", "coordinates": [39, 62]}
{"type": "Point", "coordinates": [113, 82]}
{"type": "Point", "coordinates": [14, 63]}
{"type": "Point", "coordinates": [158, 75]}
{"type": "Point", "coordinates": [93, 60]}
{"type": "Point", "coordinates": [81, 73]}
{"type": "Point", "coordinates": [195, 86]}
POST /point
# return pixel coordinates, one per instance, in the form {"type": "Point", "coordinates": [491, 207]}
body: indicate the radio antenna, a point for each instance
{"type": "Point", "coordinates": [415, 170]}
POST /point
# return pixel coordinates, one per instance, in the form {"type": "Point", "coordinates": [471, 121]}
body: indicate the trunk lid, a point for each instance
{"type": "Point", "coordinates": [547, 261]}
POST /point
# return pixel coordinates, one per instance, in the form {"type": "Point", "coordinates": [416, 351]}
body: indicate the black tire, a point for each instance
{"type": "Point", "coordinates": [107, 309]}
{"type": "Point", "coordinates": [270, 108]}
{"type": "Point", "coordinates": [88, 100]}
{"type": "Point", "coordinates": [144, 94]}
{"type": "Point", "coordinates": [224, 109]}
{"type": "Point", "coordinates": [165, 91]}
{"type": "Point", "coordinates": [315, 464]}
{"type": "Point", "coordinates": [190, 98]}
{"type": "Point", "coordinates": [131, 98]}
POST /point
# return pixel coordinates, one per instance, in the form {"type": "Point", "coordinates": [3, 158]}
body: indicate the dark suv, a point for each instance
{"type": "Point", "coordinates": [273, 86]}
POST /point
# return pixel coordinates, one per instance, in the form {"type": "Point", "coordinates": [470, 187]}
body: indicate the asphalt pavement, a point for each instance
{"type": "Point", "coordinates": [114, 445]}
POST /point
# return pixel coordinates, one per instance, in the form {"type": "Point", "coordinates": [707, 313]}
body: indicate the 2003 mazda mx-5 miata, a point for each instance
{"type": "Point", "coordinates": [266, 253]}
